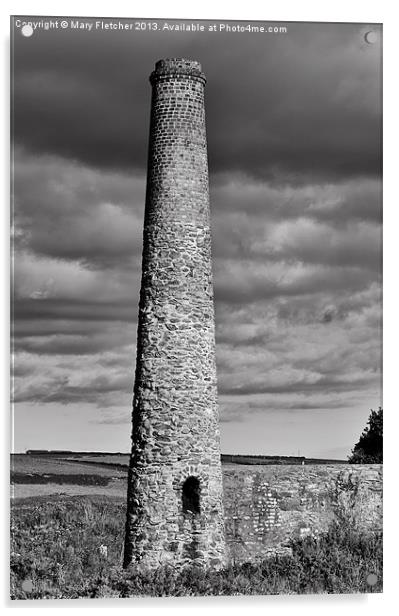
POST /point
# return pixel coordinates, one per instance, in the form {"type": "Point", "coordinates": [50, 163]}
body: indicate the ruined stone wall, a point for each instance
{"type": "Point", "coordinates": [267, 506]}
{"type": "Point", "coordinates": [175, 414]}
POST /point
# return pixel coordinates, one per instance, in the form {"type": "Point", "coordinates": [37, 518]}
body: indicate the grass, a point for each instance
{"type": "Point", "coordinates": [71, 547]}
{"type": "Point", "coordinates": [43, 465]}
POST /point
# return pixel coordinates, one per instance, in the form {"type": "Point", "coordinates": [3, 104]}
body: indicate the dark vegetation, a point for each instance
{"type": "Point", "coordinates": [368, 450]}
{"type": "Point", "coordinates": [103, 458]}
{"type": "Point", "coordinates": [273, 460]}
{"type": "Point", "coordinates": [71, 547]}
{"type": "Point", "coordinates": [59, 479]}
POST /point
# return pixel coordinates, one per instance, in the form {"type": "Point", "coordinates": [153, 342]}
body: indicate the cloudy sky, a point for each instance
{"type": "Point", "coordinates": [294, 140]}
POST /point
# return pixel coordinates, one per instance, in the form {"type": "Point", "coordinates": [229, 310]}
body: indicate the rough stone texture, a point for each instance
{"type": "Point", "coordinates": [266, 507]}
{"type": "Point", "coordinates": [175, 414]}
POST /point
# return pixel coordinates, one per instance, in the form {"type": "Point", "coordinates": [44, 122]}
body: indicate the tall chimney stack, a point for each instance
{"type": "Point", "coordinates": [175, 506]}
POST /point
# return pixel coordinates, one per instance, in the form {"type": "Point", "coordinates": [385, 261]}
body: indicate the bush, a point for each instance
{"type": "Point", "coordinates": [368, 450]}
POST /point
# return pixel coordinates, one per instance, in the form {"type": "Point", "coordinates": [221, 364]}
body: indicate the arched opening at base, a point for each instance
{"type": "Point", "coordinates": [191, 495]}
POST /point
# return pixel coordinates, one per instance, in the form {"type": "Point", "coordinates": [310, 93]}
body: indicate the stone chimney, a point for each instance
{"type": "Point", "coordinates": [175, 510]}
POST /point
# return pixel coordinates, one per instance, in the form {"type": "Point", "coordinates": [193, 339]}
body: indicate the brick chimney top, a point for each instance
{"type": "Point", "coordinates": [177, 67]}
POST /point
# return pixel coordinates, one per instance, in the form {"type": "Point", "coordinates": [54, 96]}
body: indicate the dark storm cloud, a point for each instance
{"type": "Point", "coordinates": [70, 345]}
{"type": "Point", "coordinates": [305, 240]}
{"type": "Point", "coordinates": [293, 126]}
{"type": "Point", "coordinates": [50, 289]}
{"type": "Point", "coordinates": [337, 204]}
{"type": "Point", "coordinates": [66, 211]}
{"type": "Point", "coordinates": [241, 282]}
{"type": "Point", "coordinates": [80, 310]}
{"type": "Point", "coordinates": [21, 369]}
{"type": "Point", "coordinates": [60, 389]}
{"type": "Point", "coordinates": [323, 384]}
{"type": "Point", "coordinates": [111, 341]}
{"type": "Point", "coordinates": [262, 323]}
{"type": "Point", "coordinates": [48, 327]}
{"type": "Point", "coordinates": [304, 105]}
{"type": "Point", "coordinates": [231, 406]}
{"type": "Point", "coordinates": [302, 310]}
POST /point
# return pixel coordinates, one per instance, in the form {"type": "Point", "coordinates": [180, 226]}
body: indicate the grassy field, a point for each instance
{"type": "Point", "coordinates": [71, 547]}
{"type": "Point", "coordinates": [83, 465]}
{"type": "Point", "coordinates": [67, 529]}
{"type": "Point", "coordinates": [44, 475]}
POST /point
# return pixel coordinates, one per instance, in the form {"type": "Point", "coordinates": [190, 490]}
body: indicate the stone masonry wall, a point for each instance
{"type": "Point", "coordinates": [266, 507]}
{"type": "Point", "coordinates": [175, 414]}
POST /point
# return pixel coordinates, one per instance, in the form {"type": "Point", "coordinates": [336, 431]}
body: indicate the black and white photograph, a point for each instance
{"type": "Point", "coordinates": [196, 307]}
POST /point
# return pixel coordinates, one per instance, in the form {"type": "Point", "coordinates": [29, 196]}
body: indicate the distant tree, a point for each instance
{"type": "Point", "coordinates": [368, 450]}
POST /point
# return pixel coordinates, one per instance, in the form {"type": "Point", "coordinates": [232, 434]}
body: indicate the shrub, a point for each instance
{"type": "Point", "coordinates": [368, 450]}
